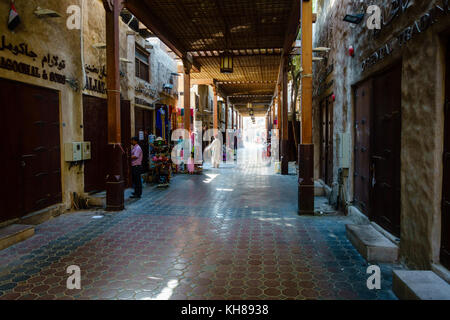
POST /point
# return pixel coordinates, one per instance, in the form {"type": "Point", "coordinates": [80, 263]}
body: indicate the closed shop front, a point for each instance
{"type": "Point", "coordinates": [30, 149]}
{"type": "Point", "coordinates": [144, 126]}
{"type": "Point", "coordinates": [95, 125]}
{"type": "Point", "coordinates": [377, 148]}
{"type": "Point", "coordinates": [326, 134]}
{"type": "Point", "coordinates": [445, 239]}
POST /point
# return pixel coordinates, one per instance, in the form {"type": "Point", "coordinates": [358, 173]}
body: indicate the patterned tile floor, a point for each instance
{"type": "Point", "coordinates": [232, 233]}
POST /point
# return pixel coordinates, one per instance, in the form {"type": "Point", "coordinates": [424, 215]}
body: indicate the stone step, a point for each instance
{"type": "Point", "coordinates": [13, 234]}
{"type": "Point", "coordinates": [319, 190]}
{"type": "Point", "coordinates": [419, 285]}
{"type": "Point", "coordinates": [96, 200]}
{"type": "Point", "coordinates": [43, 215]}
{"type": "Point", "coordinates": [371, 244]}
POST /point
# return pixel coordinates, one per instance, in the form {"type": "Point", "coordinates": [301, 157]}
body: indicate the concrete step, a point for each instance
{"type": "Point", "coordinates": [419, 285]}
{"type": "Point", "coordinates": [43, 215]}
{"type": "Point", "coordinates": [319, 190]}
{"type": "Point", "coordinates": [97, 200]}
{"type": "Point", "coordinates": [371, 244]}
{"type": "Point", "coordinates": [13, 234]}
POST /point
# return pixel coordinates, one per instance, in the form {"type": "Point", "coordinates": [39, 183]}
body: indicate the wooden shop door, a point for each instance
{"type": "Point", "coordinates": [30, 149]}
{"type": "Point", "coordinates": [363, 116]}
{"type": "Point", "coordinates": [95, 124]}
{"type": "Point", "coordinates": [445, 222]}
{"type": "Point", "coordinates": [385, 158]}
{"type": "Point", "coordinates": [144, 127]}
{"type": "Point", "coordinates": [330, 141]}
{"type": "Point", "coordinates": [323, 141]}
{"type": "Point", "coordinates": [125, 122]}
{"type": "Point", "coordinates": [326, 149]}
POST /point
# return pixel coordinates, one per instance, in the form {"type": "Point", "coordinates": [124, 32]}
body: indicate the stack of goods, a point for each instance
{"type": "Point", "coordinates": [161, 163]}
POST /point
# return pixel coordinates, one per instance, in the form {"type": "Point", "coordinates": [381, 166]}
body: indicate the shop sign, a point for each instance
{"type": "Point", "coordinates": [394, 11]}
{"type": "Point", "coordinates": [92, 84]}
{"type": "Point", "coordinates": [146, 90]}
{"type": "Point", "coordinates": [142, 102]}
{"type": "Point", "coordinates": [409, 33]}
{"type": "Point", "coordinates": [22, 49]}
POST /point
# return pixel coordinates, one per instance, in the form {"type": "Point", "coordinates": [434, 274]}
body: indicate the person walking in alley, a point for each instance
{"type": "Point", "coordinates": [136, 168]}
{"type": "Point", "coordinates": [216, 152]}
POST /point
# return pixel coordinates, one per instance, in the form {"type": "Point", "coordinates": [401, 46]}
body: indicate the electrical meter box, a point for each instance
{"type": "Point", "coordinates": [86, 147]}
{"type": "Point", "coordinates": [72, 151]}
{"type": "Point", "coordinates": [345, 152]}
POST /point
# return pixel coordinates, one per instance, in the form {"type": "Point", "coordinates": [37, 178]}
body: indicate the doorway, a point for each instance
{"type": "Point", "coordinates": [326, 138]}
{"type": "Point", "coordinates": [95, 124]}
{"type": "Point", "coordinates": [143, 128]}
{"type": "Point", "coordinates": [377, 148]}
{"type": "Point", "coordinates": [445, 222]}
{"type": "Point", "coordinates": [30, 149]}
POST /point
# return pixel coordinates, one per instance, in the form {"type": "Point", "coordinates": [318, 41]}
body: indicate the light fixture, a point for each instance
{"type": "Point", "coordinates": [249, 105]}
{"type": "Point", "coordinates": [321, 49]}
{"type": "Point", "coordinates": [354, 18]}
{"type": "Point", "coordinates": [99, 45]}
{"type": "Point", "coordinates": [125, 60]}
{"type": "Point", "coordinates": [226, 62]}
{"type": "Point", "coordinates": [46, 13]}
{"type": "Point", "coordinates": [351, 51]}
{"type": "Point", "coordinates": [317, 59]}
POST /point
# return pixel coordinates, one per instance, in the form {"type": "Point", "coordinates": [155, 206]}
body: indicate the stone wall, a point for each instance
{"type": "Point", "coordinates": [51, 36]}
{"type": "Point", "coordinates": [422, 60]}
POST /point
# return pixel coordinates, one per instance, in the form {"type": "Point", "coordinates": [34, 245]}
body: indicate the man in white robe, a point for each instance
{"type": "Point", "coordinates": [216, 152]}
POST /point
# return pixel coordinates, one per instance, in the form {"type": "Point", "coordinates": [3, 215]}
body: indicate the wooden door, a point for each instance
{"type": "Point", "coordinates": [330, 141]}
{"type": "Point", "coordinates": [445, 223]}
{"type": "Point", "coordinates": [323, 141]}
{"type": "Point", "coordinates": [95, 124]}
{"type": "Point", "coordinates": [30, 148]}
{"type": "Point", "coordinates": [125, 117]}
{"type": "Point", "coordinates": [385, 159]}
{"type": "Point", "coordinates": [363, 107]}
{"type": "Point", "coordinates": [144, 123]}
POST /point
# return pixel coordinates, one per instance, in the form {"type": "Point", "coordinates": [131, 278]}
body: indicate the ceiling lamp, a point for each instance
{"type": "Point", "coordinates": [354, 18]}
{"type": "Point", "coordinates": [249, 105]}
{"type": "Point", "coordinates": [226, 62]}
{"type": "Point", "coordinates": [321, 49]}
{"type": "Point", "coordinates": [99, 45]}
{"type": "Point", "coordinates": [46, 13]}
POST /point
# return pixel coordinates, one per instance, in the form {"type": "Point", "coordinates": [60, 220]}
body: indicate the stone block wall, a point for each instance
{"type": "Point", "coordinates": [422, 59]}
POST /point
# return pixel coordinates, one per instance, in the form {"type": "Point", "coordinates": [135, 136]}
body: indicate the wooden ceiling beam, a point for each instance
{"type": "Point", "coordinates": [143, 13]}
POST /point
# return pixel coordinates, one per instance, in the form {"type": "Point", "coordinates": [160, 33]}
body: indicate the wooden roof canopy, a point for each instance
{"type": "Point", "coordinates": [258, 32]}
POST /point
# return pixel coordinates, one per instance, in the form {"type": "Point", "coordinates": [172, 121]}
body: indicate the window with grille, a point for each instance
{"type": "Point", "coordinates": [142, 64]}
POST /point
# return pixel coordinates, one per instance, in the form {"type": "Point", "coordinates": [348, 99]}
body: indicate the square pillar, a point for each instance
{"type": "Point", "coordinates": [114, 180]}
{"type": "Point", "coordinates": [306, 149]}
{"type": "Point", "coordinates": [187, 94]}
{"type": "Point", "coordinates": [284, 124]}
